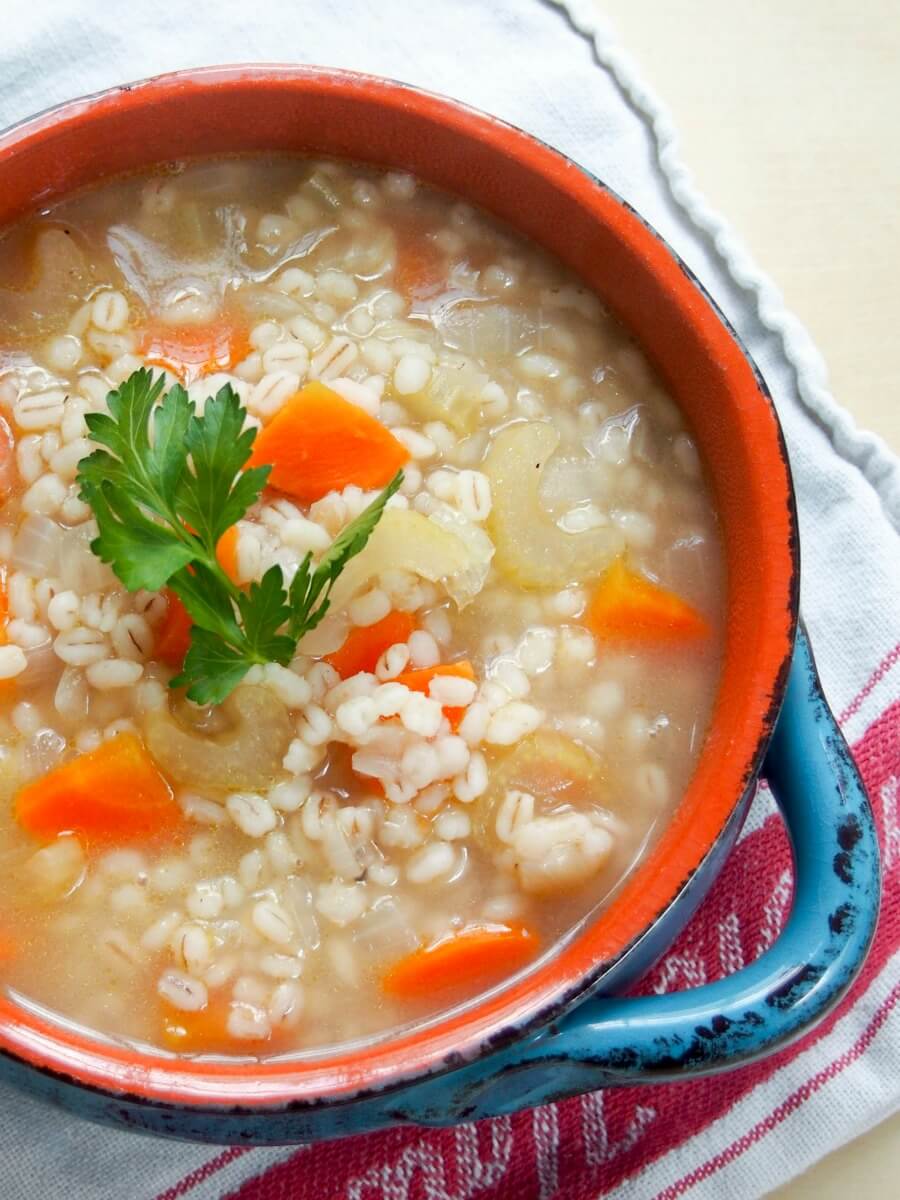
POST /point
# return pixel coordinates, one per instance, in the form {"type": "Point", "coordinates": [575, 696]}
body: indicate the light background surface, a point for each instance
{"type": "Point", "coordinates": [788, 116]}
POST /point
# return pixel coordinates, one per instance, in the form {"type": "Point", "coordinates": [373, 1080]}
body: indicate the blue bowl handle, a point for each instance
{"type": "Point", "coordinates": [795, 983]}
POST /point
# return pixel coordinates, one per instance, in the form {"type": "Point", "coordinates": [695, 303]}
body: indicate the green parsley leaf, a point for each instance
{"type": "Point", "coordinates": [215, 495]}
{"type": "Point", "coordinates": [265, 610]}
{"type": "Point", "coordinates": [141, 551]}
{"type": "Point", "coordinates": [164, 485]}
{"type": "Point", "coordinates": [208, 604]}
{"type": "Point", "coordinates": [143, 471]}
{"type": "Point", "coordinates": [212, 669]}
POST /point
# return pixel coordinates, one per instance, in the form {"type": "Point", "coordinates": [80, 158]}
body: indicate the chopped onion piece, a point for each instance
{"type": "Point", "coordinates": [531, 548]}
{"type": "Point", "coordinates": [80, 570]}
{"type": "Point", "coordinates": [485, 330]}
{"type": "Point", "coordinates": [36, 549]}
{"type": "Point", "coordinates": [408, 541]}
{"type": "Point", "coordinates": [245, 756]}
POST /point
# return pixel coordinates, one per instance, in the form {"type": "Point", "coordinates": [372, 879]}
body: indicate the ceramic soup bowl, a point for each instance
{"type": "Point", "coordinates": [558, 1029]}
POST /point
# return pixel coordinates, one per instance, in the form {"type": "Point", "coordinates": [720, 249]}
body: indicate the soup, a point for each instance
{"type": "Point", "coordinates": [361, 605]}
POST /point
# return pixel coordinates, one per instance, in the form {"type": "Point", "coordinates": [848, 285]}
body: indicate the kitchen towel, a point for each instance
{"type": "Point", "coordinates": [556, 71]}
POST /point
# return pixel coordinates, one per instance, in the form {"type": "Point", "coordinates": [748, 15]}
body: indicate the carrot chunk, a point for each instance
{"type": "Point", "coordinates": [203, 1032]}
{"type": "Point", "coordinates": [421, 267]}
{"type": "Point", "coordinates": [418, 681]}
{"type": "Point", "coordinates": [366, 644]}
{"type": "Point", "coordinates": [476, 954]}
{"type": "Point", "coordinates": [206, 1031]}
{"type": "Point", "coordinates": [319, 442]}
{"type": "Point", "coordinates": [226, 552]}
{"type": "Point", "coordinates": [627, 607]}
{"type": "Point", "coordinates": [173, 638]}
{"type": "Point", "coordinates": [111, 794]}
{"type": "Point", "coordinates": [192, 351]}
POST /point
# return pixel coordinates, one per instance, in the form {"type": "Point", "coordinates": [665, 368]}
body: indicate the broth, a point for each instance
{"type": "Point", "coordinates": [548, 475]}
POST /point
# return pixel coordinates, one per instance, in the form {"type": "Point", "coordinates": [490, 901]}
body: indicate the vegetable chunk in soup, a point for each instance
{"type": "Point", "coordinates": [360, 605]}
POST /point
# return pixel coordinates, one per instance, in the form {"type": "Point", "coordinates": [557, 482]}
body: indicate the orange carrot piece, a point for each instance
{"type": "Point", "coordinates": [192, 351]}
{"type": "Point", "coordinates": [110, 795]}
{"type": "Point", "coordinates": [627, 607]}
{"type": "Point", "coordinates": [226, 552]}
{"type": "Point", "coordinates": [418, 681]}
{"type": "Point", "coordinates": [421, 267]}
{"type": "Point", "coordinates": [366, 644]}
{"type": "Point", "coordinates": [475, 955]}
{"type": "Point", "coordinates": [173, 638]}
{"type": "Point", "coordinates": [203, 1032]}
{"type": "Point", "coordinates": [206, 1031]}
{"type": "Point", "coordinates": [319, 442]}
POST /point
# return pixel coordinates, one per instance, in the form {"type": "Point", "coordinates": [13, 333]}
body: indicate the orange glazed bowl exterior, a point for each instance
{"type": "Point", "coordinates": [552, 201]}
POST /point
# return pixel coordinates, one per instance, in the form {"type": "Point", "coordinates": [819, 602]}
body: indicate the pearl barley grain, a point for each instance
{"type": "Point", "coordinates": [337, 288]}
{"type": "Point", "coordinates": [370, 608]}
{"type": "Point", "coordinates": [411, 374]}
{"type": "Point", "coordinates": [453, 825]}
{"type": "Point", "coordinates": [114, 673]}
{"type": "Point", "coordinates": [512, 722]}
{"type": "Point", "coordinates": [63, 353]}
{"type": "Point", "coordinates": [341, 903]}
{"type": "Point", "coordinates": [473, 495]}
{"type": "Point", "coordinates": [392, 662]}
{"type": "Point", "coordinates": [430, 863]}
{"type": "Point", "coordinates": [26, 718]}
{"type": "Point", "coordinates": [45, 495]}
{"type": "Point", "coordinates": [473, 783]}
{"type": "Point", "coordinates": [437, 623]}
{"type": "Point", "coordinates": [12, 661]}
{"type": "Point", "coordinates": [205, 901]}
{"type": "Point", "coordinates": [364, 395]}
{"type": "Point", "coordinates": [452, 690]}
{"type": "Point", "coordinates": [271, 920]}
{"type": "Point", "coordinates": [251, 813]}
{"type": "Point", "coordinates": [246, 1022]}
{"type": "Point", "coordinates": [289, 795]}
{"type": "Point", "coordinates": [606, 698]}
{"type": "Point", "coordinates": [109, 312]}
{"type": "Point", "coordinates": [281, 966]}
{"type": "Point", "coordinates": [286, 1004]}
{"type": "Point", "coordinates": [290, 356]}
{"type": "Point", "coordinates": [80, 647]}
{"type": "Point", "coordinates": [272, 392]}
{"type": "Point", "coordinates": [423, 650]}
{"type": "Point", "coordinates": [41, 410]}
{"type": "Point", "coordinates": [421, 715]}
{"type": "Point", "coordinates": [182, 991]}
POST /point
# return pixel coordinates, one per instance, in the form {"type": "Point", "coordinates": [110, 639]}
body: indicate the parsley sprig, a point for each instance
{"type": "Point", "coordinates": [165, 487]}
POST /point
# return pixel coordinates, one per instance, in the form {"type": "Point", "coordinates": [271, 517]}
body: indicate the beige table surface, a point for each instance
{"type": "Point", "coordinates": [789, 115]}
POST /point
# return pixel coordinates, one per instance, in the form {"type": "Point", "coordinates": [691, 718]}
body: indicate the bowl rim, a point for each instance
{"type": "Point", "coordinates": [511, 1011]}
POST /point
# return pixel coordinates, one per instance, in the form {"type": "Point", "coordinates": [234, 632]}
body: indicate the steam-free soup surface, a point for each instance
{"type": "Point", "coordinates": [507, 697]}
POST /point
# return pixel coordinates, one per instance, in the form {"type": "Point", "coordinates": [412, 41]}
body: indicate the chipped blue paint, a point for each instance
{"type": "Point", "coordinates": [610, 1040]}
